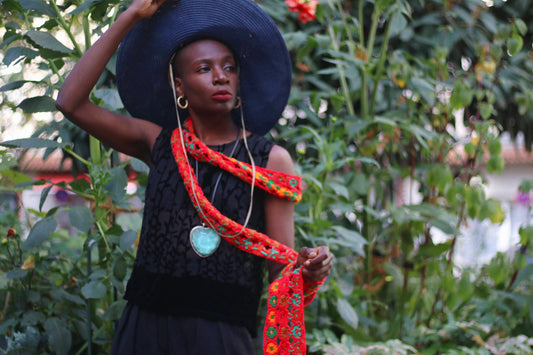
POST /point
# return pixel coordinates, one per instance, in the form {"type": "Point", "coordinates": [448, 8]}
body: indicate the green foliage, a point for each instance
{"type": "Point", "coordinates": [379, 87]}
{"type": "Point", "coordinates": [58, 289]}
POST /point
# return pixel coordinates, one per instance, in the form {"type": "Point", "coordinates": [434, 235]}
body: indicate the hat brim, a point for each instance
{"type": "Point", "coordinates": [264, 63]}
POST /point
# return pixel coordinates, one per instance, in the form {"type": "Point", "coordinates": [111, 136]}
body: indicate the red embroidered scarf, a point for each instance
{"type": "Point", "coordinates": [284, 330]}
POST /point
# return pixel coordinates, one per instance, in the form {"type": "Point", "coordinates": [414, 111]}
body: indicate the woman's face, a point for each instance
{"type": "Point", "coordinates": [207, 77]}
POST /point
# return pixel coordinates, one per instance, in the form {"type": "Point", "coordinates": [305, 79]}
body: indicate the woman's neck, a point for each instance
{"type": "Point", "coordinates": [215, 131]}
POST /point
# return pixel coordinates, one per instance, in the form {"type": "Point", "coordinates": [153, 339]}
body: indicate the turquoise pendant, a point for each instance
{"type": "Point", "coordinates": [204, 241]}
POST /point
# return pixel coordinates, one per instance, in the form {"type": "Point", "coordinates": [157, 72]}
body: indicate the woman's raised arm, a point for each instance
{"type": "Point", "coordinates": [129, 135]}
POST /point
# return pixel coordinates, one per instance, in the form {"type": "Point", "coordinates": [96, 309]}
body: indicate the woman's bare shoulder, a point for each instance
{"type": "Point", "coordinates": [279, 159]}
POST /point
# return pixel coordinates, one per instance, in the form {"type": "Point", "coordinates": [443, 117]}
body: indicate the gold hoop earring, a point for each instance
{"type": "Point", "coordinates": [180, 105]}
{"type": "Point", "coordinates": [238, 103]}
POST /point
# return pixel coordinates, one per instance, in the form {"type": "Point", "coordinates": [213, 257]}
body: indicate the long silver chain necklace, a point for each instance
{"type": "Point", "coordinates": [212, 237]}
{"type": "Point", "coordinates": [204, 240]}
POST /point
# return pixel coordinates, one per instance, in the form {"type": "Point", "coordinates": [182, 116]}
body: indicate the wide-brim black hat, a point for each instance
{"type": "Point", "coordinates": [264, 63]}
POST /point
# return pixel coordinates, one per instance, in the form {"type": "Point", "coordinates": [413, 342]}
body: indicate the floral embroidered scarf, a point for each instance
{"type": "Point", "coordinates": [284, 330]}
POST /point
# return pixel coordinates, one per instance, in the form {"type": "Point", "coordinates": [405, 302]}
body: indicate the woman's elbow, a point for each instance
{"type": "Point", "coordinates": [67, 105]}
{"type": "Point", "coordinates": [62, 103]}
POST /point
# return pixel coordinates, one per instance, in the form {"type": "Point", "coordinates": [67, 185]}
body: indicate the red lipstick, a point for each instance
{"type": "Point", "coordinates": [222, 95]}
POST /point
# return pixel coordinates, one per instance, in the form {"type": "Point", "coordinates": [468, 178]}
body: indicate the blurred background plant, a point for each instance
{"type": "Point", "coordinates": [396, 118]}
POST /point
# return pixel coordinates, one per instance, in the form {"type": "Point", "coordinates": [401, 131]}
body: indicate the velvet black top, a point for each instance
{"type": "Point", "coordinates": [168, 276]}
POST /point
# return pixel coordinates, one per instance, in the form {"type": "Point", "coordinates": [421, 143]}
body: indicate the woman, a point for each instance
{"type": "Point", "coordinates": [190, 291]}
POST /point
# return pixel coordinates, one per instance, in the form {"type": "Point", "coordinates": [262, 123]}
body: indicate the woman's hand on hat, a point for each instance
{"type": "Point", "coordinates": [146, 8]}
{"type": "Point", "coordinates": [317, 262]}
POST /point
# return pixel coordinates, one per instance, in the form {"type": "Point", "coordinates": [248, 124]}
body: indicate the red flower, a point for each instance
{"type": "Point", "coordinates": [306, 9]}
{"type": "Point", "coordinates": [10, 233]}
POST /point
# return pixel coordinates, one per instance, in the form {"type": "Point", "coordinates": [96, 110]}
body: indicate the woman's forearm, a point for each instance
{"type": "Point", "coordinates": [79, 83]}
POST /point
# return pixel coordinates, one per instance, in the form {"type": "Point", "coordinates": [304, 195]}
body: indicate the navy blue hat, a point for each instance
{"type": "Point", "coordinates": [264, 63]}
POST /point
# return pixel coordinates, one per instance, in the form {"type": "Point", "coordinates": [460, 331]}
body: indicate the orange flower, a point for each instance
{"type": "Point", "coordinates": [271, 317]}
{"type": "Point", "coordinates": [275, 286]}
{"type": "Point", "coordinates": [272, 348]}
{"type": "Point", "coordinates": [306, 9]}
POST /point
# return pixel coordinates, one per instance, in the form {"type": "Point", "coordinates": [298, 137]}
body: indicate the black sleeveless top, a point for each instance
{"type": "Point", "coordinates": [168, 276]}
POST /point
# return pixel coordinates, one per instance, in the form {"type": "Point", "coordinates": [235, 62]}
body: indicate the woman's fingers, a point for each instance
{"type": "Point", "coordinates": [146, 8]}
{"type": "Point", "coordinates": [318, 264]}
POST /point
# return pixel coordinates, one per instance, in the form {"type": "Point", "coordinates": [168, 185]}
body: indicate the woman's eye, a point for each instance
{"type": "Point", "coordinates": [230, 68]}
{"type": "Point", "coordinates": [203, 69]}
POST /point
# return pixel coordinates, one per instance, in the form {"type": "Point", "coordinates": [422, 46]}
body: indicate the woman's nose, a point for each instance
{"type": "Point", "coordinates": [220, 76]}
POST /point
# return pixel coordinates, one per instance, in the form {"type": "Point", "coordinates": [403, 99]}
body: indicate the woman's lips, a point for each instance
{"type": "Point", "coordinates": [222, 96]}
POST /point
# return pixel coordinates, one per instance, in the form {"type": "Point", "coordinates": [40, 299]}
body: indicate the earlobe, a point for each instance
{"type": "Point", "coordinates": [178, 86]}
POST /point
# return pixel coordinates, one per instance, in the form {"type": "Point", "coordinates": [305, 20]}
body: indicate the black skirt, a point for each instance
{"type": "Point", "coordinates": [147, 333]}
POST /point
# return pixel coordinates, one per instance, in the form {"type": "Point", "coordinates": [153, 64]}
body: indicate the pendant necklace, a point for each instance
{"type": "Point", "coordinates": [204, 240]}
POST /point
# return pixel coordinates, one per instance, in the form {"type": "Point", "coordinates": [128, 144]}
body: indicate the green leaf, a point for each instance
{"type": "Point", "coordinates": [461, 96]}
{"type": "Point", "coordinates": [14, 85]}
{"type": "Point", "coordinates": [514, 44]}
{"type": "Point", "coordinates": [492, 210]}
{"type": "Point", "coordinates": [14, 54]}
{"type": "Point", "coordinates": [52, 211]}
{"type": "Point", "coordinates": [38, 104]}
{"type": "Point", "coordinates": [139, 166]}
{"type": "Point", "coordinates": [350, 235]}
{"type": "Point", "coordinates": [94, 289]}
{"type": "Point", "coordinates": [347, 313]}
{"type": "Point", "coordinates": [81, 218]}
{"type": "Point", "coordinates": [465, 288]}
{"type": "Point", "coordinates": [127, 239]}
{"type": "Point", "coordinates": [444, 226]}
{"type": "Point", "coordinates": [120, 268]}
{"type": "Point", "coordinates": [117, 185]}
{"type": "Point", "coordinates": [38, 6]}
{"type": "Point", "coordinates": [339, 189]}
{"type": "Point", "coordinates": [525, 274]}
{"type": "Point", "coordinates": [495, 146]}
{"type": "Point", "coordinates": [360, 184]}
{"type": "Point", "coordinates": [44, 195]}
{"type": "Point", "coordinates": [526, 235]}
{"type": "Point", "coordinates": [424, 88]}
{"type": "Point", "coordinates": [486, 110]}
{"type": "Point", "coordinates": [47, 41]}
{"type": "Point", "coordinates": [59, 337]}
{"type": "Point", "coordinates": [8, 162]}
{"type": "Point", "coordinates": [495, 164]}
{"type": "Point", "coordinates": [98, 274]}
{"type": "Point", "coordinates": [526, 186]}
{"type": "Point", "coordinates": [17, 177]}
{"type": "Point", "coordinates": [397, 24]}
{"type": "Point", "coordinates": [447, 282]}
{"type": "Point", "coordinates": [114, 312]}
{"type": "Point", "coordinates": [32, 143]}
{"type": "Point", "coordinates": [521, 26]}
{"type": "Point", "coordinates": [430, 250]}
{"type": "Point", "coordinates": [16, 273]}
{"type": "Point", "coordinates": [80, 185]}
{"type": "Point", "coordinates": [61, 294]}
{"type": "Point", "coordinates": [41, 231]}
{"type": "Point", "coordinates": [368, 161]}
{"type": "Point", "coordinates": [519, 261]}
{"type": "Point", "coordinates": [33, 318]}
{"type": "Point", "coordinates": [88, 4]}
{"type": "Point", "coordinates": [110, 98]}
